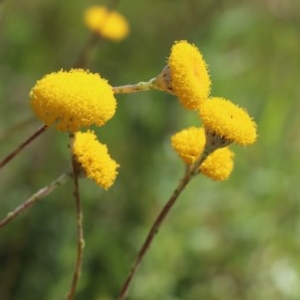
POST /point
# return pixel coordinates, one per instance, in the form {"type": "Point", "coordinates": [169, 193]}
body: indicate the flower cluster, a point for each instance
{"type": "Point", "coordinates": [108, 24]}
{"type": "Point", "coordinates": [190, 142]}
{"type": "Point", "coordinates": [71, 100]}
{"type": "Point", "coordinates": [223, 122]}
{"type": "Point", "coordinates": [75, 99]}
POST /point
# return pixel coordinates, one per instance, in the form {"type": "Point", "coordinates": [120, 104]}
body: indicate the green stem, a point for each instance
{"type": "Point", "coordinates": [133, 88]}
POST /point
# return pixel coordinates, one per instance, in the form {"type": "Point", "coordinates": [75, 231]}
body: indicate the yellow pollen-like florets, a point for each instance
{"type": "Point", "coordinates": [189, 75]}
{"type": "Point", "coordinates": [219, 164]}
{"type": "Point", "coordinates": [189, 145]}
{"type": "Point", "coordinates": [73, 100]}
{"type": "Point", "coordinates": [228, 121]}
{"type": "Point", "coordinates": [108, 24]}
{"type": "Point", "coordinates": [94, 158]}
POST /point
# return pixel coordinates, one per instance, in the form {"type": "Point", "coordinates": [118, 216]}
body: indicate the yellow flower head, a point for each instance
{"type": "Point", "coordinates": [93, 157]}
{"type": "Point", "coordinates": [228, 121]}
{"type": "Point", "coordinates": [189, 145]}
{"type": "Point", "coordinates": [108, 24]}
{"type": "Point", "coordinates": [218, 165]}
{"type": "Point", "coordinates": [73, 100]}
{"type": "Point", "coordinates": [189, 75]}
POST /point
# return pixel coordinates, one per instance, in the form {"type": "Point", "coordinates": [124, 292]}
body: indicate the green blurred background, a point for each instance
{"type": "Point", "coordinates": [238, 239]}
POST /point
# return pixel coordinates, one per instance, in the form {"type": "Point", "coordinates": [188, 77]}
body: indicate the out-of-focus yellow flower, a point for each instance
{"type": "Point", "coordinates": [189, 75]}
{"type": "Point", "coordinates": [94, 158]}
{"type": "Point", "coordinates": [228, 121]}
{"type": "Point", "coordinates": [108, 24]}
{"type": "Point", "coordinates": [73, 100]}
{"type": "Point", "coordinates": [189, 145]}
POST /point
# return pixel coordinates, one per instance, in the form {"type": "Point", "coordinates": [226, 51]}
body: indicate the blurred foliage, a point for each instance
{"type": "Point", "coordinates": [232, 240]}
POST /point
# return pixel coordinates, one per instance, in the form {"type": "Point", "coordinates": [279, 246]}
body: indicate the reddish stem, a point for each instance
{"type": "Point", "coordinates": [80, 238]}
{"type": "Point", "coordinates": [13, 154]}
{"type": "Point", "coordinates": [189, 174]}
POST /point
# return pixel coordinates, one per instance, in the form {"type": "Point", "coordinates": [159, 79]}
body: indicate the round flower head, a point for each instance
{"type": "Point", "coordinates": [73, 100]}
{"type": "Point", "coordinates": [189, 145]}
{"type": "Point", "coordinates": [108, 24]}
{"type": "Point", "coordinates": [93, 157]}
{"type": "Point", "coordinates": [219, 164]}
{"type": "Point", "coordinates": [222, 117]}
{"type": "Point", "coordinates": [189, 75]}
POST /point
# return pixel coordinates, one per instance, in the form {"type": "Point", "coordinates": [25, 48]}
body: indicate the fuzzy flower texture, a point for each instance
{"type": "Point", "coordinates": [108, 24]}
{"type": "Point", "coordinates": [94, 159]}
{"type": "Point", "coordinates": [223, 121]}
{"type": "Point", "coordinates": [73, 99]}
{"type": "Point", "coordinates": [189, 75]}
{"type": "Point", "coordinates": [228, 121]}
{"type": "Point", "coordinates": [189, 144]}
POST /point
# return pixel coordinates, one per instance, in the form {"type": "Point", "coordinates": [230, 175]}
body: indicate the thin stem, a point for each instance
{"type": "Point", "coordinates": [133, 88]}
{"type": "Point", "coordinates": [80, 237]}
{"type": "Point", "coordinates": [189, 174]}
{"type": "Point", "coordinates": [86, 52]}
{"type": "Point", "coordinates": [16, 127]}
{"type": "Point", "coordinates": [9, 157]}
{"type": "Point", "coordinates": [113, 4]}
{"type": "Point", "coordinates": [43, 192]}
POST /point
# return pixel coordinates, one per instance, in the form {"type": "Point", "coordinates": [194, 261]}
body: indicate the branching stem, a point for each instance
{"type": "Point", "coordinates": [189, 174]}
